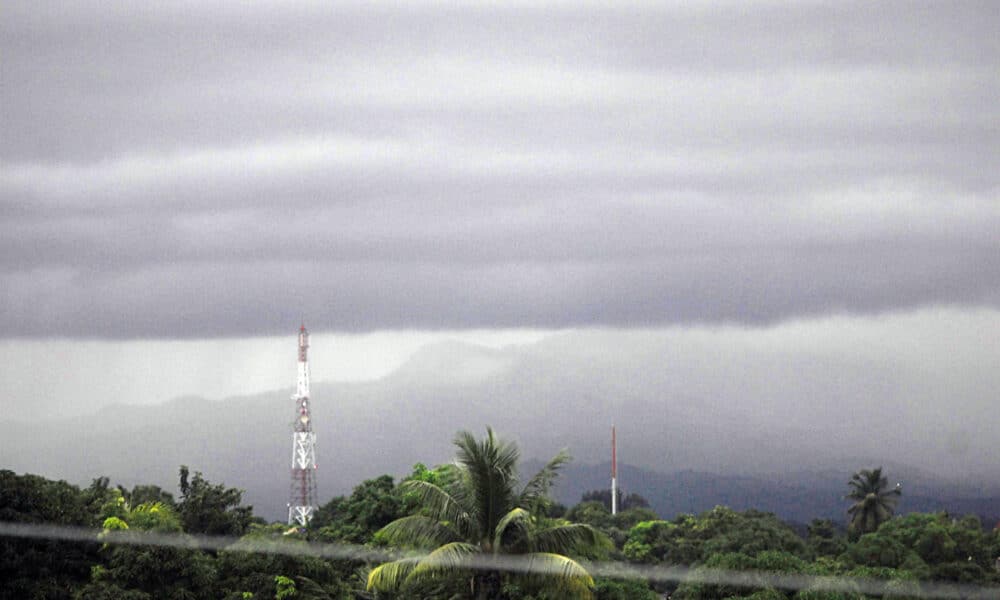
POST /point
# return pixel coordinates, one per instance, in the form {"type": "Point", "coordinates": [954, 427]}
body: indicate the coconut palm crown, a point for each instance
{"type": "Point", "coordinates": [873, 503]}
{"type": "Point", "coordinates": [485, 512]}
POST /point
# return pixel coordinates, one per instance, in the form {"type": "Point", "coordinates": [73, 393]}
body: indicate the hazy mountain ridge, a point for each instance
{"type": "Point", "coordinates": [798, 497]}
{"type": "Point", "coordinates": [561, 392]}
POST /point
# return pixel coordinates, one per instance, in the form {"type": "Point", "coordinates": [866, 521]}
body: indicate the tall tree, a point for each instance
{"type": "Point", "coordinates": [371, 506]}
{"type": "Point", "coordinates": [138, 572]}
{"type": "Point", "coordinates": [42, 568]}
{"type": "Point", "coordinates": [212, 509]}
{"type": "Point", "coordinates": [485, 511]}
{"type": "Point", "coordinates": [873, 503]}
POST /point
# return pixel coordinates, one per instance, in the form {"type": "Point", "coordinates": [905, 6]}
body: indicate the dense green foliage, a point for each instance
{"type": "Point", "coordinates": [43, 569]}
{"type": "Point", "coordinates": [688, 540]}
{"type": "Point", "coordinates": [211, 509]}
{"type": "Point", "coordinates": [485, 511]}
{"type": "Point", "coordinates": [625, 501]}
{"type": "Point", "coordinates": [489, 511]}
{"type": "Point", "coordinates": [373, 505]}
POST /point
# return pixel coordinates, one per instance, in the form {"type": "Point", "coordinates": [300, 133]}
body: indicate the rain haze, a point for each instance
{"type": "Point", "coordinates": [791, 209]}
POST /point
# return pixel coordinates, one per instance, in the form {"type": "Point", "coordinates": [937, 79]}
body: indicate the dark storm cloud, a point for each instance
{"type": "Point", "coordinates": [185, 170]}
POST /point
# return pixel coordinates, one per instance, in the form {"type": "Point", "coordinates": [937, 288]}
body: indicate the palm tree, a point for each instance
{"type": "Point", "coordinates": [873, 502]}
{"type": "Point", "coordinates": [484, 513]}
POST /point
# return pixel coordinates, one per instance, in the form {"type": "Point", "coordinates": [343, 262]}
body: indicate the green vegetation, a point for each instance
{"type": "Point", "coordinates": [483, 510]}
{"type": "Point", "coordinates": [477, 507]}
{"type": "Point", "coordinates": [874, 504]}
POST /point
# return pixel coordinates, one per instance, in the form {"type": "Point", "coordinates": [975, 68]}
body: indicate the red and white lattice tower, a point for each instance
{"type": "Point", "coordinates": [302, 492]}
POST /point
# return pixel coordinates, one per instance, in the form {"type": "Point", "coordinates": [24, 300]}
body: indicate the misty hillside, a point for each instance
{"type": "Point", "coordinates": [798, 497]}
{"type": "Point", "coordinates": [751, 414]}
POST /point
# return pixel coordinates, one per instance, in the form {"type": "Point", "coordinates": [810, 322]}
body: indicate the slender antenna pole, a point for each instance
{"type": "Point", "coordinates": [614, 472]}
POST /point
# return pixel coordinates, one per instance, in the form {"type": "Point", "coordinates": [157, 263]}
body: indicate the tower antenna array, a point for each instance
{"type": "Point", "coordinates": [302, 491]}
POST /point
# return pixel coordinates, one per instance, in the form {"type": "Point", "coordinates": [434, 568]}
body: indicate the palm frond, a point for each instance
{"type": "Point", "coordinates": [569, 537]}
{"type": "Point", "coordinates": [307, 588]}
{"type": "Point", "coordinates": [441, 504]}
{"type": "Point", "coordinates": [516, 521]}
{"type": "Point", "coordinates": [492, 471]}
{"type": "Point", "coordinates": [562, 572]}
{"type": "Point", "coordinates": [446, 559]}
{"type": "Point", "coordinates": [389, 577]}
{"type": "Point", "coordinates": [419, 531]}
{"type": "Point", "coordinates": [575, 588]}
{"type": "Point", "coordinates": [873, 503]}
{"type": "Point", "coordinates": [539, 485]}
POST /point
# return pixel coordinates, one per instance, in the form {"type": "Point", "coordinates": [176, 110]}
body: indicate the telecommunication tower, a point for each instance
{"type": "Point", "coordinates": [302, 492]}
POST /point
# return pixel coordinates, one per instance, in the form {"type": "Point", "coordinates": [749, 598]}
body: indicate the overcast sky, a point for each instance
{"type": "Point", "coordinates": [182, 183]}
{"type": "Point", "coordinates": [195, 170]}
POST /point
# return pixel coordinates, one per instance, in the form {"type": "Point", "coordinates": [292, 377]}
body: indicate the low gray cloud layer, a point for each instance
{"type": "Point", "coordinates": [189, 171]}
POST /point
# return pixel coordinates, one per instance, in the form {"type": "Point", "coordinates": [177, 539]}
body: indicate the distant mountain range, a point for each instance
{"type": "Point", "coordinates": [720, 446]}
{"type": "Point", "coordinates": [798, 497]}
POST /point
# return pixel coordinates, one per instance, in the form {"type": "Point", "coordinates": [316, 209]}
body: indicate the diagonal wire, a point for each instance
{"type": "Point", "coordinates": [511, 563]}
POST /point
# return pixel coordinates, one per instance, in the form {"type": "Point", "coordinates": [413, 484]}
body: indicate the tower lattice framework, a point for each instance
{"type": "Point", "coordinates": [302, 491]}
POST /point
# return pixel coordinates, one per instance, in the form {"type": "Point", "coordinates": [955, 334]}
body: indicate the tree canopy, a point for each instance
{"type": "Point", "coordinates": [442, 517]}
{"type": "Point", "coordinates": [873, 502]}
{"type": "Point", "coordinates": [487, 511]}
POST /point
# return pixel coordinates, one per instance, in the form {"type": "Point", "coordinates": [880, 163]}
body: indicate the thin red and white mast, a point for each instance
{"type": "Point", "coordinates": [614, 472]}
